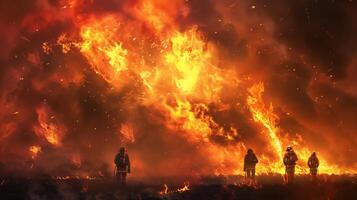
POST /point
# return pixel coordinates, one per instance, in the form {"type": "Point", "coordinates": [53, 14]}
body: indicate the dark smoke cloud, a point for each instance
{"type": "Point", "coordinates": [292, 80]}
{"type": "Point", "coordinates": [323, 31]}
{"type": "Point", "coordinates": [210, 21]}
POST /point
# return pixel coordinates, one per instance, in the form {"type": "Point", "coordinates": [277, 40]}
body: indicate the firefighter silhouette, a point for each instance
{"type": "Point", "coordinates": [250, 160]}
{"type": "Point", "coordinates": [313, 164]}
{"type": "Point", "coordinates": [122, 163]}
{"type": "Point", "coordinates": [289, 160]}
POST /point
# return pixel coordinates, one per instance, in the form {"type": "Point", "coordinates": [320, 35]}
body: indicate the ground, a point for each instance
{"type": "Point", "coordinates": [208, 188]}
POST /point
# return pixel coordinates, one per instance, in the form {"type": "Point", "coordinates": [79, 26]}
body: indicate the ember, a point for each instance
{"type": "Point", "coordinates": [34, 151]}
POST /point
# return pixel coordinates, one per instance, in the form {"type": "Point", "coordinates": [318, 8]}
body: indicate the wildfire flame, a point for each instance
{"type": "Point", "coordinates": [153, 75]}
{"type": "Point", "coordinates": [127, 131]}
{"type": "Point", "coordinates": [186, 59]}
{"type": "Point", "coordinates": [165, 191]}
{"type": "Point", "coordinates": [185, 188]}
{"type": "Point", "coordinates": [267, 118]}
{"type": "Point", "coordinates": [48, 128]}
{"type": "Point", "coordinates": [106, 55]}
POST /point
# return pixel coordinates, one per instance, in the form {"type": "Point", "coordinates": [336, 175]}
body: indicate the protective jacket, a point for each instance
{"type": "Point", "coordinates": [313, 163]}
{"type": "Point", "coordinates": [290, 159]}
{"type": "Point", "coordinates": [250, 160]}
{"type": "Point", "coordinates": [122, 162]}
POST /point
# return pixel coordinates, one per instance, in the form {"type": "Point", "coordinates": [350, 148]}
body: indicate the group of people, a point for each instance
{"type": "Point", "coordinates": [122, 163]}
{"type": "Point", "coordinates": [289, 160]}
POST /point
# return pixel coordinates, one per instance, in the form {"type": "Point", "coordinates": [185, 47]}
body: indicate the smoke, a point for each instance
{"type": "Point", "coordinates": [188, 124]}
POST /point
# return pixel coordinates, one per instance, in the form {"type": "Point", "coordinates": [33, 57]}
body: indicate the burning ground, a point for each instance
{"type": "Point", "coordinates": [186, 86]}
{"type": "Point", "coordinates": [213, 188]}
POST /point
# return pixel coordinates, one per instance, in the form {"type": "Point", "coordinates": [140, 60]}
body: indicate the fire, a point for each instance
{"type": "Point", "coordinates": [46, 48]}
{"type": "Point", "coordinates": [159, 15]}
{"type": "Point", "coordinates": [48, 127]}
{"type": "Point", "coordinates": [165, 191]}
{"type": "Point", "coordinates": [185, 188]}
{"type": "Point", "coordinates": [267, 118]}
{"type": "Point", "coordinates": [35, 150]}
{"type": "Point", "coordinates": [158, 68]}
{"type": "Point", "coordinates": [66, 44]}
{"type": "Point", "coordinates": [127, 131]}
{"type": "Point", "coordinates": [77, 177]}
{"type": "Point", "coordinates": [188, 59]}
{"type": "Point", "coordinates": [106, 55]}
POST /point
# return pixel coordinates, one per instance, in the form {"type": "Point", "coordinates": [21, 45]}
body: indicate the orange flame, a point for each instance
{"type": "Point", "coordinates": [48, 128]}
{"type": "Point", "coordinates": [185, 188]}
{"type": "Point", "coordinates": [35, 150]}
{"type": "Point", "coordinates": [269, 120]}
{"type": "Point", "coordinates": [127, 131]}
{"type": "Point", "coordinates": [165, 191]}
{"type": "Point", "coordinates": [181, 80]}
{"type": "Point", "coordinates": [106, 55]}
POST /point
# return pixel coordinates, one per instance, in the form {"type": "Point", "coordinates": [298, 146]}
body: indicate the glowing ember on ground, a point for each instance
{"type": "Point", "coordinates": [166, 190]}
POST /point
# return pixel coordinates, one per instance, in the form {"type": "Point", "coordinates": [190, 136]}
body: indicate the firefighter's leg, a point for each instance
{"type": "Point", "coordinates": [293, 174]}
{"type": "Point", "coordinates": [286, 175]}
{"type": "Point", "coordinates": [314, 176]}
{"type": "Point", "coordinates": [290, 173]}
{"type": "Point", "coordinates": [119, 178]}
{"type": "Point", "coordinates": [313, 173]}
{"type": "Point", "coordinates": [291, 177]}
{"type": "Point", "coordinates": [248, 177]}
{"type": "Point", "coordinates": [123, 179]}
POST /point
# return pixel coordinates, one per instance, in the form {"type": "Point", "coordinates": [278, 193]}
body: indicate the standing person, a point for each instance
{"type": "Point", "coordinates": [289, 160]}
{"type": "Point", "coordinates": [250, 160]}
{"type": "Point", "coordinates": [122, 163]}
{"type": "Point", "coordinates": [313, 164]}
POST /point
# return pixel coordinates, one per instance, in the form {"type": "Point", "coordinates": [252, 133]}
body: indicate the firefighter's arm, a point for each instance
{"type": "Point", "coordinates": [285, 160]}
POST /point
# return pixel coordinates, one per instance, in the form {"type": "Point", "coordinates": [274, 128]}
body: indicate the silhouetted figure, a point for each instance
{"type": "Point", "coordinates": [313, 164]}
{"type": "Point", "coordinates": [289, 160]}
{"type": "Point", "coordinates": [122, 163]}
{"type": "Point", "coordinates": [250, 160]}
